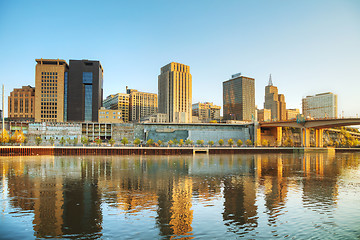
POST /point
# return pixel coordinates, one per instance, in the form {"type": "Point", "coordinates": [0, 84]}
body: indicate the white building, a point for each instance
{"type": "Point", "coordinates": [323, 105]}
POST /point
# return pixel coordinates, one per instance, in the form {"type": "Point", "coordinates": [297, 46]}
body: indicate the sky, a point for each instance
{"type": "Point", "coordinates": [308, 46]}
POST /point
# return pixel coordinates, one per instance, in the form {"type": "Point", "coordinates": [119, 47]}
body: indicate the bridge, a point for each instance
{"type": "Point", "coordinates": [275, 128]}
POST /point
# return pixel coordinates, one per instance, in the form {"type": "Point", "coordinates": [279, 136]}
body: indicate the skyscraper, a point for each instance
{"type": "Point", "coordinates": [275, 102]}
{"type": "Point", "coordinates": [119, 101]}
{"type": "Point", "coordinates": [50, 77]}
{"type": "Point", "coordinates": [84, 91]}
{"type": "Point", "coordinates": [239, 98]}
{"type": "Point", "coordinates": [206, 111]}
{"type": "Point", "coordinates": [175, 92]}
{"type": "Point", "coordinates": [323, 105]}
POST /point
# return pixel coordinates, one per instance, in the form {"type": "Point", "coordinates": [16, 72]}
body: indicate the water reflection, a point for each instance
{"type": "Point", "coordinates": [91, 197]}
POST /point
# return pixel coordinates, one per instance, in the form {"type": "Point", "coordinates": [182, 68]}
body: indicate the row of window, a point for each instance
{"type": "Point", "coordinates": [49, 73]}
{"type": "Point", "coordinates": [114, 117]}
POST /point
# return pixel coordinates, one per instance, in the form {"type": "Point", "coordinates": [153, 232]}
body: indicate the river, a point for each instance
{"type": "Point", "coordinates": [265, 196]}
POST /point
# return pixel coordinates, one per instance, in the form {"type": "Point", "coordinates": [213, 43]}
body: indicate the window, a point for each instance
{"type": "Point", "coordinates": [88, 102]}
{"type": "Point", "coordinates": [87, 77]}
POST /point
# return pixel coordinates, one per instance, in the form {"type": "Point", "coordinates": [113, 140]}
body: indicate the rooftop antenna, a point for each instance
{"type": "Point", "coordinates": [270, 81]}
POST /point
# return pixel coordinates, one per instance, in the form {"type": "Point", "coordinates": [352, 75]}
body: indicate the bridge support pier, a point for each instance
{"type": "Point", "coordinates": [319, 137]}
{"type": "Point", "coordinates": [305, 137]}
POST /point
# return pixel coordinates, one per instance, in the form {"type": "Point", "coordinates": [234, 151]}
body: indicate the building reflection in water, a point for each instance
{"type": "Point", "coordinates": [66, 193]}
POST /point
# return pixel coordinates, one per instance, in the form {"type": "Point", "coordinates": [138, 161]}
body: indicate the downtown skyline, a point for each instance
{"type": "Point", "coordinates": [303, 46]}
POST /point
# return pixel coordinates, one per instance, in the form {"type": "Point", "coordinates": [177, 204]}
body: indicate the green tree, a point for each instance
{"type": "Point", "coordinates": [211, 143]}
{"type": "Point", "coordinates": [200, 142]}
{"type": "Point", "coordinates": [112, 142]}
{"type": "Point", "coordinates": [170, 142]}
{"type": "Point", "coordinates": [239, 143]}
{"type": "Point", "coordinates": [75, 141]}
{"type": "Point", "coordinates": [69, 141]}
{"type": "Point", "coordinates": [51, 141]}
{"type": "Point", "coordinates": [187, 142]}
{"type": "Point", "coordinates": [98, 141]}
{"type": "Point", "coordinates": [38, 141]}
{"type": "Point", "coordinates": [84, 140]}
{"type": "Point", "coordinates": [150, 142]}
{"type": "Point", "coordinates": [124, 141]}
{"type": "Point", "coordinates": [4, 137]}
{"type": "Point", "coordinates": [175, 141]}
{"type": "Point", "coordinates": [159, 142]}
{"type": "Point", "coordinates": [231, 142]}
{"type": "Point", "coordinates": [249, 142]}
{"type": "Point", "coordinates": [137, 142]}
{"type": "Point", "coordinates": [62, 141]}
{"type": "Point", "coordinates": [221, 142]}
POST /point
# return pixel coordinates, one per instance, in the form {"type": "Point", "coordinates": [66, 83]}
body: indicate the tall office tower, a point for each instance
{"type": "Point", "coordinates": [206, 111]}
{"type": "Point", "coordinates": [239, 98]}
{"type": "Point", "coordinates": [323, 105]}
{"type": "Point", "coordinates": [84, 91]}
{"type": "Point", "coordinates": [141, 104]}
{"type": "Point", "coordinates": [50, 78]}
{"type": "Point", "coordinates": [21, 103]}
{"type": "Point", "coordinates": [275, 102]}
{"type": "Point", "coordinates": [119, 101]}
{"type": "Point", "coordinates": [175, 92]}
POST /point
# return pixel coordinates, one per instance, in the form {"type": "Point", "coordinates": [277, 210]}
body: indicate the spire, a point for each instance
{"type": "Point", "coordinates": [270, 81]}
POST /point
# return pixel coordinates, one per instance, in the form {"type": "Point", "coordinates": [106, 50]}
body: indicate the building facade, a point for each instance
{"type": "Point", "coordinates": [50, 78]}
{"type": "Point", "coordinates": [119, 101]}
{"type": "Point", "coordinates": [264, 115]}
{"type": "Point", "coordinates": [84, 91]}
{"type": "Point", "coordinates": [141, 104]}
{"type": "Point", "coordinates": [275, 102]}
{"type": "Point", "coordinates": [109, 116]}
{"type": "Point", "coordinates": [175, 92]}
{"type": "Point", "coordinates": [21, 104]}
{"type": "Point", "coordinates": [206, 111]}
{"type": "Point", "coordinates": [292, 113]}
{"type": "Point", "coordinates": [239, 98]}
{"type": "Point", "coordinates": [323, 105]}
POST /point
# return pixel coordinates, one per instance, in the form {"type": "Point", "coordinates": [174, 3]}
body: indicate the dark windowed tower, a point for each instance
{"type": "Point", "coordinates": [85, 90]}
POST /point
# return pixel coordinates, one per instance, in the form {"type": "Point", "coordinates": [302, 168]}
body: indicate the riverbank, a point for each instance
{"type": "Point", "coordinates": [69, 150]}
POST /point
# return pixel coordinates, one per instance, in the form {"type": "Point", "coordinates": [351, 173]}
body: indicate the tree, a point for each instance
{"type": "Point", "coordinates": [51, 141]}
{"type": "Point", "coordinates": [112, 142]}
{"type": "Point", "coordinates": [84, 140]}
{"type": "Point", "coordinates": [249, 142]}
{"type": "Point", "coordinates": [98, 141]}
{"type": "Point", "coordinates": [150, 142]}
{"type": "Point", "coordinates": [137, 141]}
{"type": "Point", "coordinates": [69, 141]}
{"type": "Point", "coordinates": [181, 142]}
{"type": "Point", "coordinates": [221, 142]}
{"type": "Point", "coordinates": [264, 143]}
{"type": "Point", "coordinates": [62, 141]}
{"type": "Point", "coordinates": [170, 142]}
{"type": "Point", "coordinates": [200, 142]}
{"type": "Point", "coordinates": [38, 141]}
{"type": "Point", "coordinates": [4, 138]}
{"type": "Point", "coordinates": [175, 141]}
{"type": "Point", "coordinates": [124, 141]}
{"type": "Point", "coordinates": [211, 143]}
{"type": "Point", "coordinates": [187, 142]}
{"type": "Point", "coordinates": [231, 142]}
{"type": "Point", "coordinates": [75, 141]}
{"type": "Point", "coordinates": [17, 137]}
{"type": "Point", "coordinates": [239, 143]}
{"type": "Point", "coordinates": [159, 142]}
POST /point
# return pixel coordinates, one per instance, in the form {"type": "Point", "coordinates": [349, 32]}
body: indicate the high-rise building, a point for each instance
{"type": "Point", "coordinates": [292, 113]}
{"type": "Point", "coordinates": [323, 105]}
{"type": "Point", "coordinates": [275, 102]}
{"type": "Point", "coordinates": [141, 104]}
{"type": "Point", "coordinates": [84, 91]}
{"type": "Point", "coordinates": [206, 111]}
{"type": "Point", "coordinates": [264, 115]}
{"type": "Point", "coordinates": [50, 78]}
{"type": "Point", "coordinates": [119, 101]}
{"type": "Point", "coordinates": [175, 92]}
{"type": "Point", "coordinates": [21, 104]}
{"type": "Point", "coordinates": [239, 98]}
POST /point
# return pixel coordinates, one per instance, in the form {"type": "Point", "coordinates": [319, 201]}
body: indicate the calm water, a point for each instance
{"type": "Point", "coordinates": [181, 197]}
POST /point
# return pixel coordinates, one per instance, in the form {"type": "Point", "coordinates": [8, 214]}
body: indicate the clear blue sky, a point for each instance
{"type": "Point", "coordinates": [308, 46]}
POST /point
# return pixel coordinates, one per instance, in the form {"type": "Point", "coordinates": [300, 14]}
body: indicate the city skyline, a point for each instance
{"type": "Point", "coordinates": [306, 54]}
